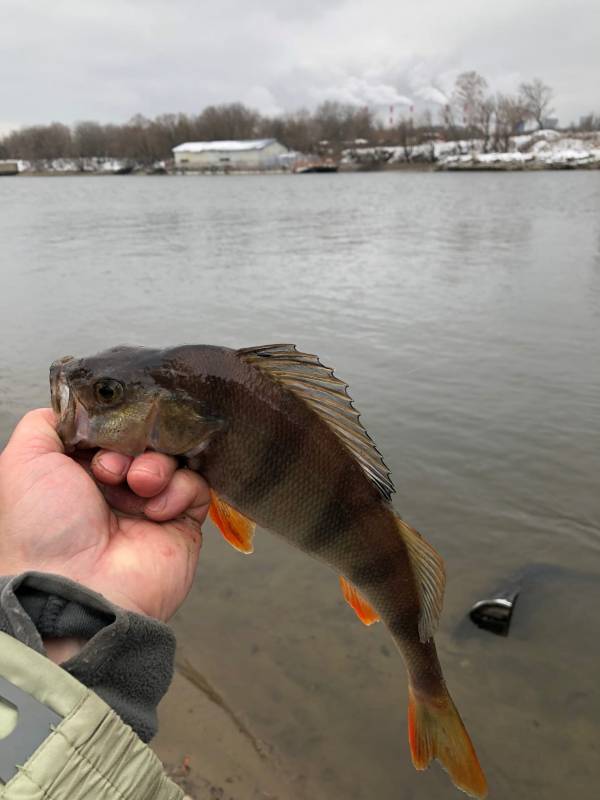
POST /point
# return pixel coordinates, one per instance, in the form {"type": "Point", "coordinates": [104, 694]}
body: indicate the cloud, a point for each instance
{"type": "Point", "coordinates": [262, 99]}
{"type": "Point", "coordinates": [432, 94]}
{"type": "Point", "coordinates": [108, 59]}
{"type": "Point", "coordinates": [360, 92]}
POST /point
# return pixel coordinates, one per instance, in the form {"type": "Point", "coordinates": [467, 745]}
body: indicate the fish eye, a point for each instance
{"type": "Point", "coordinates": [108, 391]}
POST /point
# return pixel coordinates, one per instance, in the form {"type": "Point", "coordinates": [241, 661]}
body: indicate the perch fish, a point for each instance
{"type": "Point", "coordinates": [278, 439]}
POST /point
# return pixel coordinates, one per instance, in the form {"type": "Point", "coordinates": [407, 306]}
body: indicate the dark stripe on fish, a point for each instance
{"type": "Point", "coordinates": [276, 461]}
{"type": "Point", "coordinates": [375, 572]}
{"type": "Point", "coordinates": [333, 522]}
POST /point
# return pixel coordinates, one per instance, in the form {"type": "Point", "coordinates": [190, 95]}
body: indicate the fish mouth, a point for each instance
{"type": "Point", "coordinates": [73, 421]}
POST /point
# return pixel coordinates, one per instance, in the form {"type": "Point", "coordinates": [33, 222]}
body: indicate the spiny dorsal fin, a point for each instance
{"type": "Point", "coordinates": [303, 374]}
{"type": "Point", "coordinates": [431, 578]}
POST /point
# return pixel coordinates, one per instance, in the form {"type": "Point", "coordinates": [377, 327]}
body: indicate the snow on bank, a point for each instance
{"type": "Point", "coordinates": [542, 149]}
{"type": "Point", "coordinates": [563, 152]}
{"type": "Point", "coordinates": [71, 165]}
{"type": "Point", "coordinates": [554, 159]}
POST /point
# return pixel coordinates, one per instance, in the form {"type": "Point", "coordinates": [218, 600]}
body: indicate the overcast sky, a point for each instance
{"type": "Point", "coordinates": [70, 60]}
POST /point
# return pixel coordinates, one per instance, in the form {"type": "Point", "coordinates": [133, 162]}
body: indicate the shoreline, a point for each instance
{"type": "Point", "coordinates": [343, 169]}
{"type": "Point", "coordinates": [515, 167]}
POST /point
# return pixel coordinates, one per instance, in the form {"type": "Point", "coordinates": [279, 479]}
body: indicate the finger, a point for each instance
{"type": "Point", "coordinates": [35, 435]}
{"type": "Point", "coordinates": [150, 473]}
{"type": "Point", "coordinates": [121, 498]}
{"type": "Point", "coordinates": [187, 494]}
{"type": "Point", "coordinates": [109, 467]}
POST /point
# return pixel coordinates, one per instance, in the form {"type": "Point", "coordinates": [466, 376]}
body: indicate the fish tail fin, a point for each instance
{"type": "Point", "coordinates": [435, 730]}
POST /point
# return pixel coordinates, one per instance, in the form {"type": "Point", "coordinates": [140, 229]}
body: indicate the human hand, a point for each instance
{"type": "Point", "coordinates": [128, 528]}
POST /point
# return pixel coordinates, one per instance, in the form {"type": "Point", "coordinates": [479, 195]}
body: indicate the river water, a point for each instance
{"type": "Point", "coordinates": [464, 312]}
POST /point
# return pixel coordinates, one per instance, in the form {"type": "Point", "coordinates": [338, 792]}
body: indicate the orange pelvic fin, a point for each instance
{"type": "Point", "coordinates": [364, 610]}
{"type": "Point", "coordinates": [435, 730]}
{"type": "Point", "coordinates": [236, 529]}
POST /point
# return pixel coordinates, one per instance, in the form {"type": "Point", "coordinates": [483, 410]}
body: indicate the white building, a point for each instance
{"type": "Point", "coordinates": [245, 155]}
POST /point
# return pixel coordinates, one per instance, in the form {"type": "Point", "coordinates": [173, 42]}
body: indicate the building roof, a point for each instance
{"type": "Point", "coordinates": [223, 146]}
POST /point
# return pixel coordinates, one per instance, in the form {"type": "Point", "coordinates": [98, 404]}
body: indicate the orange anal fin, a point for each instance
{"type": "Point", "coordinates": [435, 730]}
{"type": "Point", "coordinates": [235, 527]}
{"type": "Point", "coordinates": [364, 610]}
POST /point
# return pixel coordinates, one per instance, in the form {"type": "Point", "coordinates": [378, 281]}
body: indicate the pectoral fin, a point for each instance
{"type": "Point", "coordinates": [181, 427]}
{"type": "Point", "coordinates": [364, 610]}
{"type": "Point", "coordinates": [236, 529]}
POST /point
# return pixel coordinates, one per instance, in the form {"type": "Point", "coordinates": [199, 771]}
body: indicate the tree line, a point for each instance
{"type": "Point", "coordinates": [149, 140]}
{"type": "Point", "coordinates": [472, 112]}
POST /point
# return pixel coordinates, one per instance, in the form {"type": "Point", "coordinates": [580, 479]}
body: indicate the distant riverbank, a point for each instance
{"type": "Point", "coordinates": [541, 150]}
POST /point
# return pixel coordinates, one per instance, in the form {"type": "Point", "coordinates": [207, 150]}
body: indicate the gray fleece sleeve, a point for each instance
{"type": "Point", "coordinates": [128, 658]}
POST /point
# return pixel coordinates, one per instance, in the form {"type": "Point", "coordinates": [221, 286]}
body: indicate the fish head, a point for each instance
{"type": "Point", "coordinates": [123, 400]}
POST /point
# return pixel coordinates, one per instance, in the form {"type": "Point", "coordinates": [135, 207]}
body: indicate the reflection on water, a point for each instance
{"type": "Point", "coordinates": [464, 311]}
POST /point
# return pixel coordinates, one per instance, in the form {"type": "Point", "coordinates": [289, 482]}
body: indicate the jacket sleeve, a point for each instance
{"type": "Point", "coordinates": [127, 659]}
{"type": "Point", "coordinates": [87, 753]}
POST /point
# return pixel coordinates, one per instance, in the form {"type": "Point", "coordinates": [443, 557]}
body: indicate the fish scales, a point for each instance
{"type": "Point", "coordinates": [305, 486]}
{"type": "Point", "coordinates": [275, 436]}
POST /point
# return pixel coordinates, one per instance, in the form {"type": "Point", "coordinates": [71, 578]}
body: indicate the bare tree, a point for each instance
{"type": "Point", "coordinates": [89, 139]}
{"type": "Point", "coordinates": [360, 124]}
{"type": "Point", "coordinates": [448, 122]}
{"type": "Point", "coordinates": [536, 97]}
{"type": "Point", "coordinates": [425, 120]}
{"type": "Point", "coordinates": [143, 140]}
{"type": "Point", "coordinates": [330, 120]}
{"type": "Point", "coordinates": [228, 121]}
{"type": "Point", "coordinates": [471, 105]}
{"type": "Point", "coordinates": [406, 136]}
{"type": "Point", "coordinates": [510, 115]}
{"type": "Point", "coordinates": [468, 96]}
{"type": "Point", "coordinates": [589, 122]}
{"type": "Point", "coordinates": [39, 143]}
{"type": "Point", "coordinates": [487, 110]}
{"type": "Point", "coordinates": [295, 130]}
{"type": "Point", "coordinates": [58, 141]}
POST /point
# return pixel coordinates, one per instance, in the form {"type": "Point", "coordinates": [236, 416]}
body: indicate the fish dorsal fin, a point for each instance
{"type": "Point", "coordinates": [316, 384]}
{"type": "Point", "coordinates": [362, 608]}
{"type": "Point", "coordinates": [236, 529]}
{"type": "Point", "coordinates": [431, 578]}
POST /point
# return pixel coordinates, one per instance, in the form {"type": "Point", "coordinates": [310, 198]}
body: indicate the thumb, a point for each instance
{"type": "Point", "coordinates": [35, 435]}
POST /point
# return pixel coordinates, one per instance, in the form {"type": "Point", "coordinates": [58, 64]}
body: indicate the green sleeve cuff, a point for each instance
{"type": "Point", "coordinates": [128, 659]}
{"type": "Point", "coordinates": [91, 754]}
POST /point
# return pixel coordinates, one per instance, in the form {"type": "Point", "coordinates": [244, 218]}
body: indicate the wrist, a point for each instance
{"type": "Point", "coordinates": [61, 650]}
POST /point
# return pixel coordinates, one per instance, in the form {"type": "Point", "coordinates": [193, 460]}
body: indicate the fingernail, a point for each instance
{"type": "Point", "coordinates": [158, 504]}
{"type": "Point", "coordinates": [112, 463]}
{"type": "Point", "coordinates": [149, 469]}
